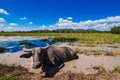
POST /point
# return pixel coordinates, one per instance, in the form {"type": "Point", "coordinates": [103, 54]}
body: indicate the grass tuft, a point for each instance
{"type": "Point", "coordinates": [117, 68]}
{"type": "Point", "coordinates": [11, 72]}
{"type": "Point", "coordinates": [100, 69]}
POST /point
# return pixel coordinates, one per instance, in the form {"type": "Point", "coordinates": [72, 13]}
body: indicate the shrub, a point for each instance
{"type": "Point", "coordinates": [26, 43]}
{"type": "Point", "coordinates": [117, 68]}
{"type": "Point", "coordinates": [116, 30]}
{"type": "Point", "coordinates": [78, 51]}
{"type": "Point", "coordinates": [2, 49]}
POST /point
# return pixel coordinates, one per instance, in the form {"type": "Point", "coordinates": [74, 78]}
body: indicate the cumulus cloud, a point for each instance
{"type": "Point", "coordinates": [30, 23]}
{"type": "Point", "coordinates": [23, 18]}
{"type": "Point", "coordinates": [20, 28]}
{"type": "Point", "coordinates": [11, 27]}
{"type": "Point", "coordinates": [101, 24]}
{"type": "Point", "coordinates": [13, 24]}
{"type": "Point", "coordinates": [4, 12]}
{"type": "Point", "coordinates": [69, 18]}
{"type": "Point", "coordinates": [2, 22]}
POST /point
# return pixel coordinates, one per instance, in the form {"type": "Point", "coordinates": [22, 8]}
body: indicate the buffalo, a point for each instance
{"type": "Point", "coordinates": [49, 57]}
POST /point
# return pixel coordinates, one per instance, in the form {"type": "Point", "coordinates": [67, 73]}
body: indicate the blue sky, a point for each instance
{"type": "Point", "coordinates": [18, 15]}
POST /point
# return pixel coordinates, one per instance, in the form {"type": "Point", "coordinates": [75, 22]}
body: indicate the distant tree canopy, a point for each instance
{"type": "Point", "coordinates": [65, 31]}
{"type": "Point", "coordinates": [116, 30]}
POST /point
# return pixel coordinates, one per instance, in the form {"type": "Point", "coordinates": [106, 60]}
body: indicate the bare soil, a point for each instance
{"type": "Point", "coordinates": [19, 73]}
{"type": "Point", "coordinates": [81, 69]}
{"type": "Point", "coordinates": [84, 64]}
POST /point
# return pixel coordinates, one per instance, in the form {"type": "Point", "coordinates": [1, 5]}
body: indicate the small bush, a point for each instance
{"type": "Point", "coordinates": [78, 51]}
{"type": "Point", "coordinates": [9, 76]}
{"type": "Point", "coordinates": [100, 69]}
{"type": "Point", "coordinates": [110, 53]}
{"type": "Point", "coordinates": [116, 30]}
{"type": "Point", "coordinates": [26, 43]}
{"type": "Point", "coordinates": [63, 39]}
{"type": "Point", "coordinates": [2, 49]}
{"type": "Point", "coordinates": [117, 68]}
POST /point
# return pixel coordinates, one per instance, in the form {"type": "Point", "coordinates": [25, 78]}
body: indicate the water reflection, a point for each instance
{"type": "Point", "coordinates": [13, 44]}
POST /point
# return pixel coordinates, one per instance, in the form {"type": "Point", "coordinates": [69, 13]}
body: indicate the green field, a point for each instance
{"type": "Point", "coordinates": [90, 39]}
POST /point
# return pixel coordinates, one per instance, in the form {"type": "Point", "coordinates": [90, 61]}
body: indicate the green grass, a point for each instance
{"type": "Point", "coordinates": [78, 51]}
{"type": "Point", "coordinates": [112, 46]}
{"type": "Point", "coordinates": [117, 68]}
{"type": "Point", "coordinates": [9, 76]}
{"type": "Point", "coordinates": [10, 72]}
{"type": "Point", "coordinates": [88, 52]}
{"type": "Point", "coordinates": [76, 39]}
{"type": "Point", "coordinates": [90, 39]}
{"type": "Point", "coordinates": [97, 52]}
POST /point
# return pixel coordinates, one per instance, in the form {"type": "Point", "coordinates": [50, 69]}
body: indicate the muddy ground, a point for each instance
{"type": "Point", "coordinates": [80, 69]}
{"type": "Point", "coordinates": [19, 73]}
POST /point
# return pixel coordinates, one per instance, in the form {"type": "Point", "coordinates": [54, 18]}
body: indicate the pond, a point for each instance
{"type": "Point", "coordinates": [14, 44]}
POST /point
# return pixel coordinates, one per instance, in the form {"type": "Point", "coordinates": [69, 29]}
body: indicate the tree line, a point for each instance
{"type": "Point", "coordinates": [115, 30]}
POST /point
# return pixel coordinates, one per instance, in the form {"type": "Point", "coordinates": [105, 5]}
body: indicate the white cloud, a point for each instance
{"type": "Point", "coordinates": [69, 18]}
{"type": "Point", "coordinates": [11, 28]}
{"type": "Point", "coordinates": [2, 22]}
{"type": "Point", "coordinates": [23, 18]}
{"type": "Point", "coordinates": [100, 24]}
{"type": "Point", "coordinates": [30, 23]}
{"type": "Point", "coordinates": [13, 24]}
{"type": "Point", "coordinates": [4, 12]}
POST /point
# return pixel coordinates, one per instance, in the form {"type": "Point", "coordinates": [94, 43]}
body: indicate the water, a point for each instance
{"type": "Point", "coordinates": [12, 44]}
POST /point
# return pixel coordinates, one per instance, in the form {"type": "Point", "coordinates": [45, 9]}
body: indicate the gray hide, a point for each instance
{"type": "Point", "coordinates": [59, 55]}
{"type": "Point", "coordinates": [50, 56]}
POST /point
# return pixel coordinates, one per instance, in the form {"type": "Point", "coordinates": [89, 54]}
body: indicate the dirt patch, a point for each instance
{"type": "Point", "coordinates": [13, 72]}
{"type": "Point", "coordinates": [82, 65]}
{"type": "Point", "coordinates": [81, 69]}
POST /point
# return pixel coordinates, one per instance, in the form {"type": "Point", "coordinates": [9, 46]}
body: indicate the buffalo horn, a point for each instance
{"type": "Point", "coordinates": [26, 50]}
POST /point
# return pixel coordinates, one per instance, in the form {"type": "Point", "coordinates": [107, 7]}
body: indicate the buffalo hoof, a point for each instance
{"type": "Point", "coordinates": [76, 57]}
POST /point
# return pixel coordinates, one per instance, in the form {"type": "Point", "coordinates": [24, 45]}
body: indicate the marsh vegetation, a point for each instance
{"type": "Point", "coordinates": [90, 41]}
{"type": "Point", "coordinates": [87, 38]}
{"type": "Point", "coordinates": [104, 40]}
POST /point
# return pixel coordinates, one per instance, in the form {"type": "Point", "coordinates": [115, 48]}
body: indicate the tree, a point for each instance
{"type": "Point", "coordinates": [116, 30]}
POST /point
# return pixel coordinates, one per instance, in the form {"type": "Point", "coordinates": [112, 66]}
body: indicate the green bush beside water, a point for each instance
{"type": "Point", "coordinates": [2, 49]}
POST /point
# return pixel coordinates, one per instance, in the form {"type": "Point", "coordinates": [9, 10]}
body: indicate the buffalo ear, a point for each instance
{"type": "Point", "coordinates": [26, 55]}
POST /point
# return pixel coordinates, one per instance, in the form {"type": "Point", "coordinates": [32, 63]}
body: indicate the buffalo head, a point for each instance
{"type": "Point", "coordinates": [36, 53]}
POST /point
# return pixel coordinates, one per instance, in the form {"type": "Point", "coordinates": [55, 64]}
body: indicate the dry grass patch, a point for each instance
{"type": "Point", "coordinates": [112, 46]}
{"type": "Point", "coordinates": [97, 52]}
{"type": "Point", "coordinates": [88, 52]}
{"type": "Point", "coordinates": [116, 52]}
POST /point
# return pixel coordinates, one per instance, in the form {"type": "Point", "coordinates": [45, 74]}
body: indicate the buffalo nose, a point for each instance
{"type": "Point", "coordinates": [36, 66]}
